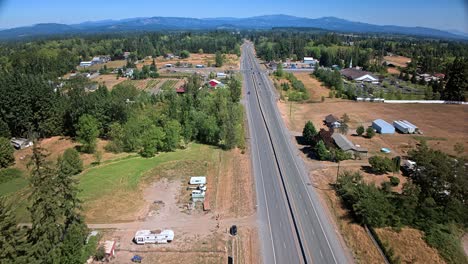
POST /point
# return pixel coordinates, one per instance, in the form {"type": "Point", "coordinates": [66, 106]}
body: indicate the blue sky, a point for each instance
{"type": "Point", "coordinates": [441, 14]}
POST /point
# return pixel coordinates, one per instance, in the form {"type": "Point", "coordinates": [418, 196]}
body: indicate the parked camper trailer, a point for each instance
{"type": "Point", "coordinates": [154, 237]}
{"type": "Point", "coordinates": [197, 180]}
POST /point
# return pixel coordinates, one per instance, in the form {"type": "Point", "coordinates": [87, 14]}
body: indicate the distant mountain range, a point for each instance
{"type": "Point", "coordinates": [183, 23]}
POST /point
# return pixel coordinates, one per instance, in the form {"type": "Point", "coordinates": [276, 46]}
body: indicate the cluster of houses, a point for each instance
{"type": "Point", "coordinates": [379, 125]}
{"type": "Point", "coordinates": [307, 62]}
{"type": "Point", "coordinates": [340, 140]}
{"type": "Point", "coordinates": [95, 60]}
{"type": "Point", "coordinates": [428, 77]}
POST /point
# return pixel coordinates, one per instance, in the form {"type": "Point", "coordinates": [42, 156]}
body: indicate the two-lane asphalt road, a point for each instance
{"type": "Point", "coordinates": [293, 225]}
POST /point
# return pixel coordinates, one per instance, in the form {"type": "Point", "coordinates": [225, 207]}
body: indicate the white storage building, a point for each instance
{"type": "Point", "coordinates": [405, 126]}
{"type": "Point", "coordinates": [197, 180]}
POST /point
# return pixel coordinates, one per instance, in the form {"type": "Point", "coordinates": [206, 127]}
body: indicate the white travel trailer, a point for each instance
{"type": "Point", "coordinates": [154, 237]}
{"type": "Point", "coordinates": [197, 180]}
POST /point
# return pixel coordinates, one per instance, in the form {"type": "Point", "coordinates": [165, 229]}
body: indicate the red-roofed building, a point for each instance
{"type": "Point", "coordinates": [215, 83]}
{"type": "Point", "coordinates": [180, 90]}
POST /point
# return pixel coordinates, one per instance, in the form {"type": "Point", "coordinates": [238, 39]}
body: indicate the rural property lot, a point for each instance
{"type": "Point", "coordinates": [442, 125]}
{"type": "Point", "coordinates": [137, 193]}
{"type": "Point", "coordinates": [230, 63]}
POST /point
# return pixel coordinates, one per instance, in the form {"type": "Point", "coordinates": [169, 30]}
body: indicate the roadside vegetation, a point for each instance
{"type": "Point", "coordinates": [433, 201]}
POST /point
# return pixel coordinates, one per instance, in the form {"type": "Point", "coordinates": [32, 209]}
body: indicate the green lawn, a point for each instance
{"type": "Point", "coordinates": [126, 174]}
{"type": "Point", "coordinates": [13, 186]}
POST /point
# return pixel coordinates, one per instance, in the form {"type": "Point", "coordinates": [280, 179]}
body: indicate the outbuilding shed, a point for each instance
{"type": "Point", "coordinates": [383, 127]}
{"type": "Point", "coordinates": [405, 127]}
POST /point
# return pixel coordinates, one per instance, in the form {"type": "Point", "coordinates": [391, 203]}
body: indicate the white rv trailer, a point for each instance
{"type": "Point", "coordinates": [154, 237]}
{"type": "Point", "coordinates": [198, 180]}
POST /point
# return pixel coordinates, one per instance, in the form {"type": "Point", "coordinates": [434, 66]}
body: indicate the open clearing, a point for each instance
{"type": "Point", "coordinates": [408, 244]}
{"type": "Point", "coordinates": [442, 125]}
{"type": "Point", "coordinates": [314, 86]}
{"type": "Point", "coordinates": [231, 62]}
{"type": "Point", "coordinates": [121, 195]}
{"type": "Point", "coordinates": [109, 80]}
{"type": "Point", "coordinates": [110, 65]}
{"type": "Point", "coordinates": [399, 61]}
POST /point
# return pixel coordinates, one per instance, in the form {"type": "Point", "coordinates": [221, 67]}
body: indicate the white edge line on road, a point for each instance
{"type": "Point", "coordinates": [302, 180]}
{"type": "Point", "coordinates": [263, 184]}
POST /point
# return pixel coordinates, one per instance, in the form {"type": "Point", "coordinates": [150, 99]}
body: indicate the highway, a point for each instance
{"type": "Point", "coordinates": [293, 226]}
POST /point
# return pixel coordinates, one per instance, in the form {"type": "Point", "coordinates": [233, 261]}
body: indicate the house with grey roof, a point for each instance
{"type": "Point", "coordinates": [346, 145]}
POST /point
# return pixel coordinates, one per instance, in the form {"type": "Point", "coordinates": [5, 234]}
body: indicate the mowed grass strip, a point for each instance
{"type": "Point", "coordinates": [125, 175]}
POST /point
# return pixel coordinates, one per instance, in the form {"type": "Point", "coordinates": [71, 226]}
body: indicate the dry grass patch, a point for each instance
{"type": "Point", "coordinates": [408, 244]}
{"type": "Point", "coordinates": [314, 86]}
{"type": "Point", "coordinates": [109, 80]}
{"type": "Point", "coordinates": [399, 61]}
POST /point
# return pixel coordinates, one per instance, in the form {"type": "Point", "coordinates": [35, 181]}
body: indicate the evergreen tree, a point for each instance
{"type": "Point", "coordinates": [46, 231]}
{"type": "Point", "coordinates": [309, 132]}
{"type": "Point", "coordinates": [219, 59]}
{"type": "Point", "coordinates": [87, 132]}
{"type": "Point", "coordinates": [11, 238]}
{"type": "Point", "coordinates": [6, 153]}
{"type": "Point", "coordinates": [4, 129]}
{"type": "Point", "coordinates": [70, 162]}
{"type": "Point", "coordinates": [321, 151]}
{"type": "Point", "coordinates": [235, 87]}
{"type": "Point", "coordinates": [457, 84]}
{"type": "Point", "coordinates": [370, 132]}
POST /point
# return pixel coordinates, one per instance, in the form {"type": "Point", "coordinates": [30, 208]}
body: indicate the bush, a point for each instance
{"type": "Point", "coordinates": [370, 132]}
{"type": "Point", "coordinates": [380, 165]}
{"type": "Point", "coordinates": [394, 181]}
{"type": "Point", "coordinates": [360, 130]}
{"type": "Point", "coordinates": [100, 253]}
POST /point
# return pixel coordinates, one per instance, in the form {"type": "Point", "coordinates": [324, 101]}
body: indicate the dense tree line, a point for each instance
{"type": "Point", "coordinates": [434, 200]}
{"type": "Point", "coordinates": [55, 57]}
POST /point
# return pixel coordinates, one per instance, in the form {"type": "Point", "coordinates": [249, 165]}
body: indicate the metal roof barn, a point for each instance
{"type": "Point", "coordinates": [404, 126]}
{"type": "Point", "coordinates": [383, 127]}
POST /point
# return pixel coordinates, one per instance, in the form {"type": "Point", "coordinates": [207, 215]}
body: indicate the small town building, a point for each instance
{"type": "Point", "coordinates": [332, 121]}
{"type": "Point", "coordinates": [213, 83]}
{"type": "Point", "coordinates": [405, 127]}
{"type": "Point", "coordinates": [383, 127]}
{"type": "Point", "coordinates": [86, 63]}
{"type": "Point", "coordinates": [221, 75]}
{"type": "Point", "coordinates": [346, 145]}
{"type": "Point", "coordinates": [354, 74]}
{"type": "Point", "coordinates": [21, 143]}
{"type": "Point", "coordinates": [180, 90]}
{"type": "Point", "coordinates": [109, 248]}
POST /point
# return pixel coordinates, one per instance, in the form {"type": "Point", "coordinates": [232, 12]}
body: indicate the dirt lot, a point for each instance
{"type": "Point", "coordinates": [399, 61]}
{"type": "Point", "coordinates": [201, 237]}
{"type": "Point", "coordinates": [232, 62]}
{"type": "Point", "coordinates": [442, 125]}
{"type": "Point", "coordinates": [110, 64]}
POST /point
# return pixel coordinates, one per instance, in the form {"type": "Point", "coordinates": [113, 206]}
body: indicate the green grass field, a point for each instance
{"type": "Point", "coordinates": [126, 174]}
{"type": "Point", "coordinates": [118, 176]}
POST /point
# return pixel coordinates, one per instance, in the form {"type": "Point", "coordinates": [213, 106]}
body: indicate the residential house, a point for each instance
{"type": "Point", "coordinates": [332, 121]}
{"type": "Point", "coordinates": [86, 63]}
{"type": "Point", "coordinates": [346, 145]}
{"type": "Point", "coordinates": [21, 143]}
{"type": "Point", "coordinates": [221, 75]}
{"type": "Point", "coordinates": [213, 83]}
{"type": "Point", "coordinates": [359, 75]}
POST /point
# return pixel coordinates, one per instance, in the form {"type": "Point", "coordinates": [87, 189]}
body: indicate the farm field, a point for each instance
{"type": "Point", "coordinates": [109, 80]}
{"type": "Point", "coordinates": [442, 125]}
